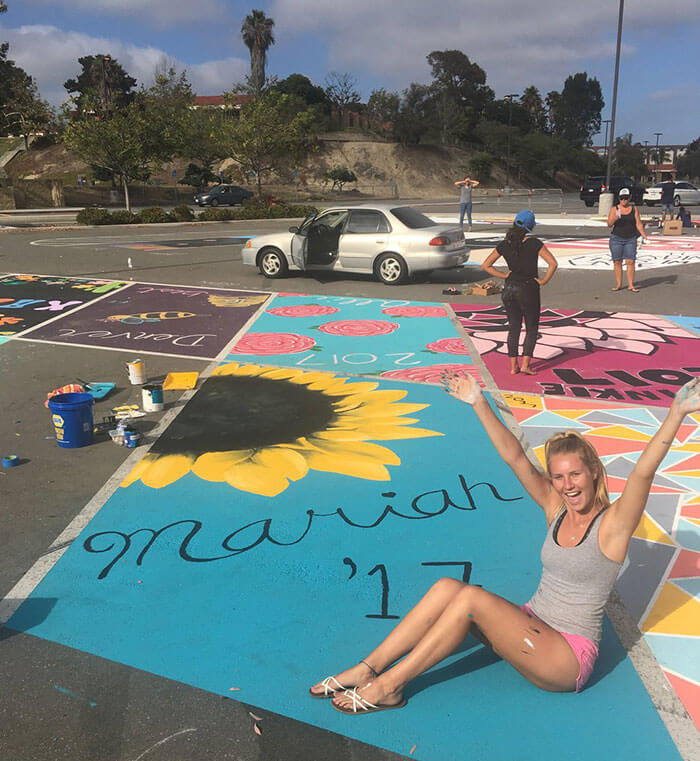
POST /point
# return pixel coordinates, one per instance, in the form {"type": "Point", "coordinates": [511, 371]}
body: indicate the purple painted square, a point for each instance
{"type": "Point", "coordinates": [159, 319]}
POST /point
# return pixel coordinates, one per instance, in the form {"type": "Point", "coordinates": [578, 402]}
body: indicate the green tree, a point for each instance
{"type": "Point", "coordinates": [575, 112]}
{"type": "Point", "coordinates": [688, 164]}
{"type": "Point", "coordinates": [505, 112]}
{"type": "Point", "coordinates": [416, 116]}
{"type": "Point", "coordinates": [302, 87]}
{"type": "Point", "coordinates": [531, 101]}
{"type": "Point", "coordinates": [201, 136]}
{"type": "Point", "coordinates": [23, 110]}
{"type": "Point", "coordinates": [481, 164]}
{"type": "Point", "coordinates": [198, 176]}
{"type": "Point", "coordinates": [339, 176]}
{"type": "Point", "coordinates": [272, 131]}
{"type": "Point", "coordinates": [102, 87]}
{"type": "Point", "coordinates": [256, 31]}
{"type": "Point", "coordinates": [383, 107]}
{"type": "Point", "coordinates": [628, 158]}
{"type": "Point", "coordinates": [458, 85]}
{"type": "Point", "coordinates": [125, 146]}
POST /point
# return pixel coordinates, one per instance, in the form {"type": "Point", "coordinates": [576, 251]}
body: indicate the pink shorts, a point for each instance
{"type": "Point", "coordinates": [585, 650]}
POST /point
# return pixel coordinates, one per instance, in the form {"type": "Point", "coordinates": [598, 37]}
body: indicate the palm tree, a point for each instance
{"type": "Point", "coordinates": [256, 31]}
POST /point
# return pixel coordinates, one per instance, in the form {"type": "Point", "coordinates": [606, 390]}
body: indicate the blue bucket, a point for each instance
{"type": "Point", "coordinates": [71, 415]}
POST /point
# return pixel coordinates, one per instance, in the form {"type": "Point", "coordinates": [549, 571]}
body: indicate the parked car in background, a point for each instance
{"type": "Point", "coordinates": [392, 242]}
{"type": "Point", "coordinates": [684, 194]}
{"type": "Point", "coordinates": [593, 186]}
{"type": "Point", "coordinates": [223, 195]}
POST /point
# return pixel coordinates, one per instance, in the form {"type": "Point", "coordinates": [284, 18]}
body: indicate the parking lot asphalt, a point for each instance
{"type": "Point", "coordinates": [61, 704]}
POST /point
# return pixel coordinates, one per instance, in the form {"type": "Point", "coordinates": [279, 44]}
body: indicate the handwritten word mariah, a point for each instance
{"type": "Point", "coordinates": [428, 505]}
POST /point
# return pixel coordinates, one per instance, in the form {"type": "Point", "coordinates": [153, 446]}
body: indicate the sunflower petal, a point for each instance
{"type": "Point", "coordinates": [138, 470]}
{"type": "Point", "coordinates": [365, 448]}
{"type": "Point", "coordinates": [373, 397]}
{"type": "Point", "coordinates": [348, 465]}
{"type": "Point", "coordinates": [385, 433]}
{"type": "Point", "coordinates": [312, 377]}
{"type": "Point", "coordinates": [166, 469]}
{"type": "Point", "coordinates": [247, 370]}
{"type": "Point", "coordinates": [353, 388]}
{"type": "Point", "coordinates": [396, 408]}
{"type": "Point", "coordinates": [256, 479]}
{"type": "Point", "coordinates": [367, 425]}
{"type": "Point", "coordinates": [285, 461]}
{"type": "Point", "coordinates": [279, 373]}
{"type": "Point", "coordinates": [227, 369]}
{"type": "Point", "coordinates": [212, 466]}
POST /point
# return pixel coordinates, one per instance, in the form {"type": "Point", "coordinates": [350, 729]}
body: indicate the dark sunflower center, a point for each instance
{"type": "Point", "coordinates": [231, 412]}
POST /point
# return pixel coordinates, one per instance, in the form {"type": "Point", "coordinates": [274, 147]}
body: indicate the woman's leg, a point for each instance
{"type": "Point", "coordinates": [404, 636]}
{"type": "Point", "coordinates": [536, 650]}
{"type": "Point", "coordinates": [515, 318]}
{"type": "Point", "coordinates": [630, 275]}
{"type": "Point", "coordinates": [530, 302]}
{"type": "Point", "coordinates": [616, 253]}
{"type": "Point", "coordinates": [469, 215]}
{"type": "Point", "coordinates": [462, 209]}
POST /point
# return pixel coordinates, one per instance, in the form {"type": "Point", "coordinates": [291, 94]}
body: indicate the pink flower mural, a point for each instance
{"type": "Point", "coordinates": [273, 343]}
{"type": "Point", "coordinates": [358, 328]}
{"type": "Point", "coordinates": [302, 310]}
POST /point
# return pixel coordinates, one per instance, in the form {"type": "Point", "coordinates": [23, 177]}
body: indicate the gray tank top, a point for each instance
{"type": "Point", "coordinates": [465, 195]}
{"type": "Point", "coordinates": [576, 583]}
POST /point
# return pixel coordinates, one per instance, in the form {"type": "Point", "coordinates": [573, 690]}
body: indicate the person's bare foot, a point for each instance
{"type": "Point", "coordinates": [633, 289]}
{"type": "Point", "coordinates": [375, 692]}
{"type": "Point", "coordinates": [616, 288]}
{"type": "Point", "coordinates": [352, 677]}
{"type": "Point", "coordinates": [527, 370]}
{"type": "Point", "coordinates": [514, 370]}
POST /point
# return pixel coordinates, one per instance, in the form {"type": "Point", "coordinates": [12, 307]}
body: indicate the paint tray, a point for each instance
{"type": "Point", "coordinates": [180, 381]}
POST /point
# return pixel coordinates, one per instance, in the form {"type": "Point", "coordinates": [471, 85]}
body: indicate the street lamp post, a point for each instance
{"type": "Point", "coordinates": [605, 142]}
{"type": "Point", "coordinates": [656, 155]}
{"type": "Point", "coordinates": [606, 199]}
{"type": "Point", "coordinates": [509, 98]}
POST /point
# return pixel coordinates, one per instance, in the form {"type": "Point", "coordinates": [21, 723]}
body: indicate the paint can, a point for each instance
{"type": "Point", "coordinates": [137, 372]}
{"type": "Point", "coordinates": [152, 397]}
{"type": "Point", "coordinates": [10, 461]}
{"type": "Point", "coordinates": [131, 438]}
{"type": "Point", "coordinates": [71, 415]}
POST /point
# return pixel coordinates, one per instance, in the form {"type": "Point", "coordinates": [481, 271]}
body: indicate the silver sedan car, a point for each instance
{"type": "Point", "coordinates": [392, 242]}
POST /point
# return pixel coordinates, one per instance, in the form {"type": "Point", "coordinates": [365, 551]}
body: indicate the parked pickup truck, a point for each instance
{"type": "Point", "coordinates": [593, 186]}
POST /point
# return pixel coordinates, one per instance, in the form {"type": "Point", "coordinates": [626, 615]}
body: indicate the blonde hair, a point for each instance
{"type": "Point", "coordinates": [571, 442]}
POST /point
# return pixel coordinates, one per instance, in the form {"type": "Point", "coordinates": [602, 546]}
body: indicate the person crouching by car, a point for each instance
{"type": "Point", "coordinates": [626, 224]}
{"type": "Point", "coordinates": [684, 216]}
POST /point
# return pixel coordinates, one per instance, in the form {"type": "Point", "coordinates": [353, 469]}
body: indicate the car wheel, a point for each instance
{"type": "Point", "coordinates": [214, 202]}
{"type": "Point", "coordinates": [272, 263]}
{"type": "Point", "coordinates": [589, 203]}
{"type": "Point", "coordinates": [676, 200]}
{"type": "Point", "coordinates": [651, 203]}
{"type": "Point", "coordinates": [390, 269]}
{"type": "Point", "coordinates": [422, 276]}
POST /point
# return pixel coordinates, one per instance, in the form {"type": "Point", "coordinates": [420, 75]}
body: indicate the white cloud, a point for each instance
{"type": "Point", "coordinates": [160, 13]}
{"type": "Point", "coordinates": [60, 50]}
{"type": "Point", "coordinates": [517, 42]}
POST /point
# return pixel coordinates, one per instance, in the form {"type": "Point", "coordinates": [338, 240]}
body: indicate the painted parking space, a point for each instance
{"type": "Point", "coordinates": [388, 338]}
{"type": "Point", "coordinates": [252, 588]}
{"type": "Point", "coordinates": [30, 300]}
{"type": "Point", "coordinates": [660, 580]}
{"type": "Point", "coordinates": [158, 319]}
{"type": "Point", "coordinates": [613, 356]}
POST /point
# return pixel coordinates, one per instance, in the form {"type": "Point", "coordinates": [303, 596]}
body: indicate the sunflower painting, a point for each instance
{"type": "Point", "coordinates": [259, 428]}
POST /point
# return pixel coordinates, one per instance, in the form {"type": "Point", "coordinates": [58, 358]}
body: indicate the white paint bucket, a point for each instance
{"type": "Point", "coordinates": [152, 398]}
{"type": "Point", "coordinates": [137, 372]}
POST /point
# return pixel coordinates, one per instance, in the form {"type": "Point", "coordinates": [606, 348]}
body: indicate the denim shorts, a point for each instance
{"type": "Point", "coordinates": [623, 248]}
{"type": "Point", "coordinates": [667, 208]}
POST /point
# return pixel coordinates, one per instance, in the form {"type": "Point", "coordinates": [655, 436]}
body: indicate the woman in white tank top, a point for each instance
{"type": "Point", "coordinates": [551, 642]}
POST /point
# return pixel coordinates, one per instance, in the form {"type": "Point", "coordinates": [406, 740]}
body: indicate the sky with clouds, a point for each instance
{"type": "Point", "coordinates": [384, 44]}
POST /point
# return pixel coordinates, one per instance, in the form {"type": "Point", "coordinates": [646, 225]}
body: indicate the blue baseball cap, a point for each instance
{"type": "Point", "coordinates": [526, 219]}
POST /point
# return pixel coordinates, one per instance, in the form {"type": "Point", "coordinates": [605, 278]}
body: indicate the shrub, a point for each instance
{"type": "Point", "coordinates": [151, 215]}
{"type": "Point", "coordinates": [481, 164]}
{"type": "Point", "coordinates": [339, 176]}
{"type": "Point", "coordinates": [182, 214]}
{"type": "Point", "coordinates": [122, 217]}
{"type": "Point", "coordinates": [94, 216]}
{"type": "Point", "coordinates": [216, 215]}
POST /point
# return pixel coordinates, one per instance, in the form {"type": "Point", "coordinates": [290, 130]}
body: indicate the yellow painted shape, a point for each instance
{"type": "Point", "coordinates": [674, 612]}
{"type": "Point", "coordinates": [695, 521]}
{"type": "Point", "coordinates": [528, 401]}
{"type": "Point", "coordinates": [619, 432]}
{"type": "Point", "coordinates": [572, 414]}
{"type": "Point", "coordinates": [539, 453]}
{"type": "Point", "coordinates": [690, 473]}
{"type": "Point", "coordinates": [180, 381]}
{"type": "Point", "coordinates": [693, 501]}
{"type": "Point", "coordinates": [651, 532]}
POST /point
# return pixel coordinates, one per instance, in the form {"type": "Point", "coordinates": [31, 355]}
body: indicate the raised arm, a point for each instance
{"type": "Point", "coordinates": [508, 447]}
{"type": "Point", "coordinates": [613, 215]}
{"type": "Point", "coordinates": [626, 512]}
{"type": "Point", "coordinates": [638, 222]}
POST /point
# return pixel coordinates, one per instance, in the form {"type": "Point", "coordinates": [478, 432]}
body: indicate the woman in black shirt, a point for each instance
{"type": "Point", "coordinates": [521, 291]}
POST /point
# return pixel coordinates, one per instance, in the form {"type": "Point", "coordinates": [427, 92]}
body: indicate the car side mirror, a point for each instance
{"type": "Point", "coordinates": [293, 229]}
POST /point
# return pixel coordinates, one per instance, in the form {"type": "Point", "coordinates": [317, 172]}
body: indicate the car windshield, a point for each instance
{"type": "Point", "coordinates": [412, 218]}
{"type": "Point", "coordinates": [304, 226]}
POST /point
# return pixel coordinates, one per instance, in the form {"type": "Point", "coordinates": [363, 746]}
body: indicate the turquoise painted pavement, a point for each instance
{"type": "Point", "coordinates": [253, 560]}
{"type": "Point", "coordinates": [396, 339]}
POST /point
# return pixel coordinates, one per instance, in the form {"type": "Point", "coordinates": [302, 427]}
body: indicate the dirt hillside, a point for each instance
{"type": "Point", "coordinates": [417, 171]}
